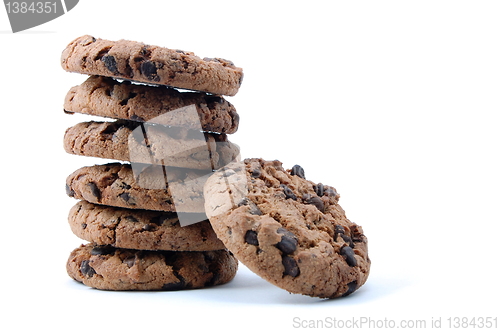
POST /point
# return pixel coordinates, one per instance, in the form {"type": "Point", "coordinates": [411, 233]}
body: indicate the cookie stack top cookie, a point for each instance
{"type": "Point", "coordinates": [136, 61]}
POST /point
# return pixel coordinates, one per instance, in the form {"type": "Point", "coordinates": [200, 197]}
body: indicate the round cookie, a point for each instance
{"type": "Point", "coordinates": [116, 184]}
{"type": "Point", "coordinates": [139, 62]}
{"type": "Point", "coordinates": [151, 144]}
{"type": "Point", "coordinates": [110, 268]}
{"type": "Point", "coordinates": [140, 229]}
{"type": "Point", "coordinates": [107, 97]}
{"type": "Point", "coordinates": [288, 230]}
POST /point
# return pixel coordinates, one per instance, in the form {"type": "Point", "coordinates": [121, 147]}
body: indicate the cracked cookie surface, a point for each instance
{"type": "Point", "coordinates": [139, 62]}
{"type": "Point", "coordinates": [140, 229]}
{"type": "Point", "coordinates": [288, 230]}
{"type": "Point", "coordinates": [106, 97]}
{"type": "Point", "coordinates": [110, 268]}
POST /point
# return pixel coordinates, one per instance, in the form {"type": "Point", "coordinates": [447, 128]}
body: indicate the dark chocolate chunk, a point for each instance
{"type": "Point", "coordinates": [319, 189]}
{"type": "Point", "coordinates": [351, 288]}
{"type": "Point", "coordinates": [125, 196]}
{"type": "Point", "coordinates": [347, 240]}
{"type": "Point", "coordinates": [251, 238]}
{"type": "Point", "coordinates": [288, 242]}
{"type": "Point", "coordinates": [148, 69]}
{"type": "Point", "coordinates": [299, 171]}
{"type": "Point", "coordinates": [130, 261]}
{"type": "Point", "coordinates": [253, 208]}
{"type": "Point", "coordinates": [173, 286]}
{"type": "Point", "coordinates": [316, 201]}
{"type": "Point", "coordinates": [348, 255]}
{"type": "Point", "coordinates": [291, 267]}
{"type": "Point", "coordinates": [330, 192]}
{"type": "Point", "coordinates": [339, 230]}
{"type": "Point", "coordinates": [288, 192]}
{"type": "Point", "coordinates": [86, 269]}
{"type": "Point", "coordinates": [70, 192]}
{"type": "Point", "coordinates": [94, 190]}
{"type": "Point", "coordinates": [110, 63]}
{"type": "Point", "coordinates": [102, 250]}
{"type": "Point", "coordinates": [256, 173]}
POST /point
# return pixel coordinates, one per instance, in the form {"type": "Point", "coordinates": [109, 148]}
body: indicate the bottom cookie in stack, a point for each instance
{"type": "Point", "coordinates": [110, 268]}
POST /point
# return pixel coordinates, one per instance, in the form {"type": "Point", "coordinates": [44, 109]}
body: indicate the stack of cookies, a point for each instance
{"type": "Point", "coordinates": [144, 215]}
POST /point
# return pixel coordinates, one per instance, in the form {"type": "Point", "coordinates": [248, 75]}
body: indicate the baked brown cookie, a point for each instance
{"type": "Point", "coordinates": [140, 229]}
{"type": "Point", "coordinates": [110, 268]}
{"type": "Point", "coordinates": [124, 185]}
{"type": "Point", "coordinates": [152, 144]}
{"type": "Point", "coordinates": [136, 61]}
{"type": "Point", "coordinates": [107, 97]}
{"type": "Point", "coordinates": [289, 230]}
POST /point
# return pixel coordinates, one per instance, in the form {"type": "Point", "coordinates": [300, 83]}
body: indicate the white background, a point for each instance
{"type": "Point", "coordinates": [395, 103]}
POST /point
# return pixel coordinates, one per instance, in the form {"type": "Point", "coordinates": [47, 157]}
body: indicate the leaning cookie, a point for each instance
{"type": "Point", "coordinates": [288, 230]}
{"type": "Point", "coordinates": [110, 268]}
{"type": "Point", "coordinates": [139, 62]}
{"type": "Point", "coordinates": [140, 229]}
{"type": "Point", "coordinates": [152, 144]}
{"type": "Point", "coordinates": [106, 97]}
{"type": "Point", "coordinates": [124, 185]}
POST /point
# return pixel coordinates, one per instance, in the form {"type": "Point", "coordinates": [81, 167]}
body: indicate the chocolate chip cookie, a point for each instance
{"type": "Point", "coordinates": [153, 144]}
{"type": "Point", "coordinates": [139, 62]}
{"type": "Point", "coordinates": [124, 185]}
{"type": "Point", "coordinates": [106, 97]}
{"type": "Point", "coordinates": [110, 268]}
{"type": "Point", "coordinates": [287, 229]}
{"type": "Point", "coordinates": [140, 229]}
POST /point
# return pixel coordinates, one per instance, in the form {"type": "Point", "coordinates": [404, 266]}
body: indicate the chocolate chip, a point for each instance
{"type": "Point", "coordinates": [148, 69]}
{"type": "Point", "coordinates": [86, 269]}
{"type": "Point", "coordinates": [288, 242]}
{"type": "Point", "coordinates": [102, 250]}
{"type": "Point", "coordinates": [288, 192]}
{"type": "Point", "coordinates": [339, 230]}
{"type": "Point", "coordinates": [299, 171]}
{"type": "Point", "coordinates": [256, 173]}
{"type": "Point", "coordinates": [110, 63]}
{"type": "Point", "coordinates": [347, 240]}
{"type": "Point", "coordinates": [351, 287]}
{"type": "Point", "coordinates": [319, 189]}
{"type": "Point", "coordinates": [173, 286]}
{"type": "Point", "coordinates": [251, 238]}
{"type": "Point", "coordinates": [130, 261]}
{"type": "Point", "coordinates": [348, 255]}
{"type": "Point", "coordinates": [70, 192]}
{"type": "Point", "coordinates": [291, 267]}
{"type": "Point", "coordinates": [125, 196]}
{"type": "Point", "coordinates": [330, 192]}
{"type": "Point", "coordinates": [253, 208]}
{"type": "Point", "coordinates": [84, 226]}
{"type": "Point", "coordinates": [94, 190]}
{"type": "Point", "coordinates": [314, 200]}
